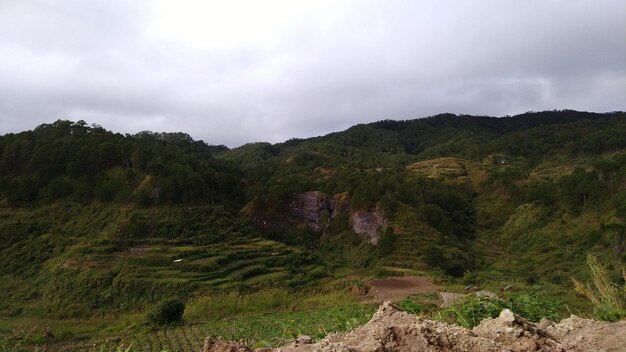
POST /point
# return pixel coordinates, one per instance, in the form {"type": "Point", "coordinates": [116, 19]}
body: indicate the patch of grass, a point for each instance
{"type": "Point", "coordinates": [410, 306]}
{"type": "Point", "coordinates": [473, 309]}
{"type": "Point", "coordinates": [220, 306]}
{"type": "Point", "coordinates": [319, 317]}
{"type": "Point", "coordinates": [608, 297]}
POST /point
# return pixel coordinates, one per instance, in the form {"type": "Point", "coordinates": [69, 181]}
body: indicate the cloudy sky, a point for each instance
{"type": "Point", "coordinates": [233, 72]}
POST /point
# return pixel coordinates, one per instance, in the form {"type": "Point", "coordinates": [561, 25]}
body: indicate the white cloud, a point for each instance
{"type": "Point", "coordinates": [240, 71]}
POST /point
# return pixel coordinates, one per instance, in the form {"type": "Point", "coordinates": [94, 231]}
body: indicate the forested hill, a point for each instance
{"type": "Point", "coordinates": [74, 161]}
{"type": "Point", "coordinates": [533, 136]}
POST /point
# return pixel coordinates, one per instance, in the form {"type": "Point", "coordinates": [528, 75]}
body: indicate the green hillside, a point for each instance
{"type": "Point", "coordinates": [97, 228]}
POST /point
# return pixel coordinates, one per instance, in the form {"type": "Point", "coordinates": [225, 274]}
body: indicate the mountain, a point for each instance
{"type": "Point", "coordinates": [95, 223]}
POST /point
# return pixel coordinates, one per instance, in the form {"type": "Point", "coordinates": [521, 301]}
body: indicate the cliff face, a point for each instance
{"type": "Point", "coordinates": [366, 223]}
{"type": "Point", "coordinates": [312, 209]}
{"type": "Point", "coordinates": [308, 208]}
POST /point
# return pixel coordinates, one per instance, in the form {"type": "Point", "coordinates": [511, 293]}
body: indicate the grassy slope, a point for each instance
{"type": "Point", "coordinates": [62, 263]}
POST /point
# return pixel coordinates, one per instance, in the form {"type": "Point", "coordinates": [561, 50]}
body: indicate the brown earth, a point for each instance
{"type": "Point", "coordinates": [451, 168]}
{"type": "Point", "coordinates": [393, 330]}
{"type": "Point", "coordinates": [397, 288]}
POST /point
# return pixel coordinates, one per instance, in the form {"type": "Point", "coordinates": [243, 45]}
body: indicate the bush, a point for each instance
{"type": "Point", "coordinates": [609, 313]}
{"type": "Point", "coordinates": [410, 306]}
{"type": "Point", "coordinates": [472, 310]}
{"type": "Point", "coordinates": [167, 312]}
{"type": "Point", "coordinates": [533, 308]}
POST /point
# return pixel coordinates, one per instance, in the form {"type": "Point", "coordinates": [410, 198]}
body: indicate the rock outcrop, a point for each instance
{"type": "Point", "coordinates": [308, 208]}
{"type": "Point", "coordinates": [312, 209]}
{"type": "Point", "coordinates": [393, 330]}
{"type": "Point", "coordinates": [367, 223]}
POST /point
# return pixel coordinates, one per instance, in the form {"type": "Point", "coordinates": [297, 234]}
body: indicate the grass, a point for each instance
{"type": "Point", "coordinates": [256, 317]}
{"type": "Point", "coordinates": [608, 297]}
{"type": "Point", "coordinates": [85, 278]}
{"type": "Point", "coordinates": [257, 330]}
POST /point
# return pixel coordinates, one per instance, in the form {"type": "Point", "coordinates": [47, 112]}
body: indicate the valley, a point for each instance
{"type": "Point", "coordinates": [263, 241]}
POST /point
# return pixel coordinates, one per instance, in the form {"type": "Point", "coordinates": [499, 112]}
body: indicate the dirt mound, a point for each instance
{"type": "Point", "coordinates": [397, 288]}
{"type": "Point", "coordinates": [393, 330]}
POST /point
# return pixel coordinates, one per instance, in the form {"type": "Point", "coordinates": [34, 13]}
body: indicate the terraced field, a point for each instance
{"type": "Point", "coordinates": [245, 260]}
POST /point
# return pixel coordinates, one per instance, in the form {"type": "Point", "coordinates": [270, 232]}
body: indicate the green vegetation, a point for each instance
{"type": "Point", "coordinates": [410, 306]}
{"type": "Point", "coordinates": [67, 160]}
{"type": "Point", "coordinates": [167, 312]}
{"type": "Point", "coordinates": [98, 228]}
{"type": "Point", "coordinates": [608, 297]}
{"type": "Point", "coordinates": [473, 309]}
{"type": "Point", "coordinates": [257, 331]}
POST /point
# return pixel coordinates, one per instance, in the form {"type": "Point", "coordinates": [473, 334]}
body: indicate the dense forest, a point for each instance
{"type": "Point", "coordinates": [71, 160]}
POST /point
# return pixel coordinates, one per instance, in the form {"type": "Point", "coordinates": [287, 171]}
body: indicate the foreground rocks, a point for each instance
{"type": "Point", "coordinates": [393, 330]}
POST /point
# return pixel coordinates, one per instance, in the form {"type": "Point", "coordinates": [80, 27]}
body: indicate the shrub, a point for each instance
{"type": "Point", "coordinates": [610, 313]}
{"type": "Point", "coordinates": [167, 312]}
{"type": "Point", "coordinates": [472, 310]}
{"type": "Point", "coordinates": [533, 308]}
{"type": "Point", "coordinates": [410, 306]}
{"type": "Point", "coordinates": [381, 272]}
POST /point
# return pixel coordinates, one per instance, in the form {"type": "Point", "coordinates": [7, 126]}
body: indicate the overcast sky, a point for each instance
{"type": "Point", "coordinates": [233, 72]}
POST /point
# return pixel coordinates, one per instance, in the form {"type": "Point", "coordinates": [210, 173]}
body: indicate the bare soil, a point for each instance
{"type": "Point", "coordinates": [397, 288]}
{"type": "Point", "coordinates": [393, 330]}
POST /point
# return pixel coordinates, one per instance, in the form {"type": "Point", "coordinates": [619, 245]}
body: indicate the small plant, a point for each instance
{"type": "Point", "coordinates": [411, 306]}
{"type": "Point", "coordinates": [167, 312]}
{"type": "Point", "coordinates": [533, 307]}
{"type": "Point", "coordinates": [472, 310]}
{"type": "Point", "coordinates": [610, 313]}
{"type": "Point", "coordinates": [608, 298]}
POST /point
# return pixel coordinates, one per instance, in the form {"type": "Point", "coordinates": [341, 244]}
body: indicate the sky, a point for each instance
{"type": "Point", "coordinates": [234, 72]}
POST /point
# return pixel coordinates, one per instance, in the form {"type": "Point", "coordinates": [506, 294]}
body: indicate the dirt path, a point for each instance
{"type": "Point", "coordinates": [397, 288]}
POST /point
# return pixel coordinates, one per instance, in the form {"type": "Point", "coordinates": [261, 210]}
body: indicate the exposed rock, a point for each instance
{"type": "Point", "coordinates": [219, 345]}
{"type": "Point", "coordinates": [451, 298]}
{"type": "Point", "coordinates": [507, 316]}
{"type": "Point", "coordinates": [485, 293]}
{"type": "Point", "coordinates": [308, 207]}
{"type": "Point", "coordinates": [255, 211]}
{"type": "Point", "coordinates": [393, 330]}
{"type": "Point", "coordinates": [518, 334]}
{"type": "Point", "coordinates": [304, 208]}
{"type": "Point", "coordinates": [367, 223]}
{"type": "Point", "coordinates": [578, 334]}
{"type": "Point", "coordinates": [303, 339]}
